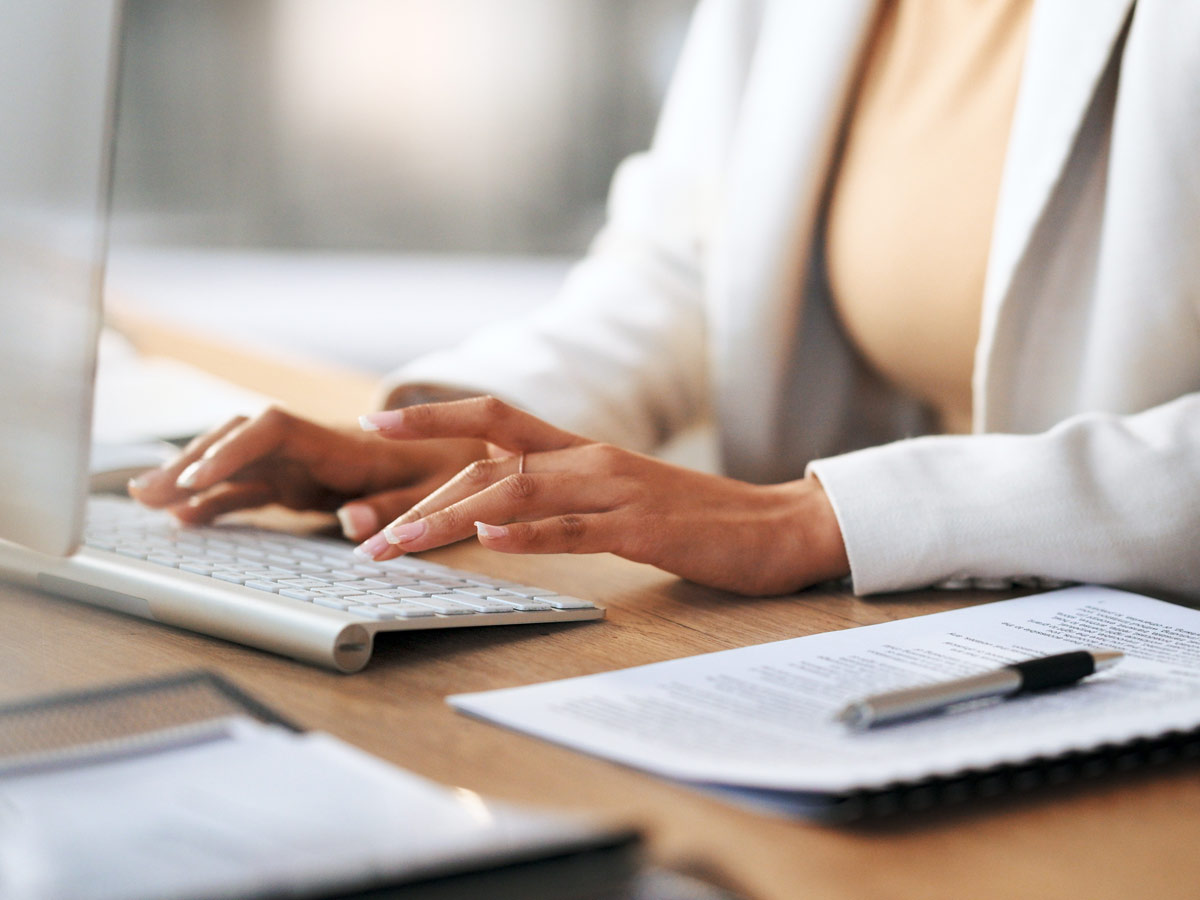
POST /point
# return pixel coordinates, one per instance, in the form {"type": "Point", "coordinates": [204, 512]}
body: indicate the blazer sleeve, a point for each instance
{"type": "Point", "coordinates": [621, 354]}
{"type": "Point", "coordinates": [1099, 498]}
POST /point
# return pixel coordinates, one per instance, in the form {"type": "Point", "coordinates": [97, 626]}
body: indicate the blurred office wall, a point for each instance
{"type": "Point", "coordinates": [478, 126]}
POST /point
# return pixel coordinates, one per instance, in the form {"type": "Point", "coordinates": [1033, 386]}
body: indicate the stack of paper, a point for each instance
{"type": "Point", "coordinates": [254, 810]}
{"type": "Point", "coordinates": [761, 719]}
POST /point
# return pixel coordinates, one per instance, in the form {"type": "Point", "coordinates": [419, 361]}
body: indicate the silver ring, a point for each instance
{"type": "Point", "coordinates": [521, 465]}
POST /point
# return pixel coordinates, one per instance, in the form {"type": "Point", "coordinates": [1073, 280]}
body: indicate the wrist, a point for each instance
{"type": "Point", "coordinates": [822, 532]}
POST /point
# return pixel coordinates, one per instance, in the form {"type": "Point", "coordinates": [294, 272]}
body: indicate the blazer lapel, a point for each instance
{"type": "Point", "coordinates": [794, 102]}
{"type": "Point", "coordinates": [1069, 48]}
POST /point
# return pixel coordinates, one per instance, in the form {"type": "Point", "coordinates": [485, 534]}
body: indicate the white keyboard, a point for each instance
{"type": "Point", "coordinates": [322, 574]}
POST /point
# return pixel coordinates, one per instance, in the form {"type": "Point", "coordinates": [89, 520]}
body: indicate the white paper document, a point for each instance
{"type": "Point", "coordinates": [256, 811]}
{"type": "Point", "coordinates": [144, 398]}
{"type": "Point", "coordinates": [763, 716]}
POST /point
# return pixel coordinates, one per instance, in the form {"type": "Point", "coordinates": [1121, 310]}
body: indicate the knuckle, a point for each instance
{"type": "Point", "coordinates": [418, 510]}
{"type": "Point", "coordinates": [275, 418]}
{"type": "Point", "coordinates": [573, 527]}
{"type": "Point", "coordinates": [481, 471]}
{"type": "Point", "coordinates": [606, 458]}
{"type": "Point", "coordinates": [450, 519]}
{"type": "Point", "coordinates": [494, 407]}
{"type": "Point", "coordinates": [519, 487]}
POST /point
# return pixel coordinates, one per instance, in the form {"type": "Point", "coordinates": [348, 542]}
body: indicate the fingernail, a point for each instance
{"type": "Point", "coordinates": [379, 420]}
{"type": "Point", "coordinates": [189, 476]}
{"type": "Point", "coordinates": [371, 547]}
{"type": "Point", "coordinates": [143, 481]}
{"type": "Point", "coordinates": [358, 520]}
{"type": "Point", "coordinates": [490, 531]}
{"type": "Point", "coordinates": [402, 534]}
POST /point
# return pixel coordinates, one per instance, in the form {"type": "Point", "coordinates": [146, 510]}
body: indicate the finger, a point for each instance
{"type": "Point", "coordinates": [514, 497]}
{"type": "Point", "coordinates": [229, 497]}
{"type": "Point", "coordinates": [248, 443]}
{"type": "Point", "coordinates": [485, 418]}
{"type": "Point", "coordinates": [483, 473]}
{"type": "Point", "coordinates": [365, 516]}
{"type": "Point", "coordinates": [570, 533]}
{"type": "Point", "coordinates": [157, 487]}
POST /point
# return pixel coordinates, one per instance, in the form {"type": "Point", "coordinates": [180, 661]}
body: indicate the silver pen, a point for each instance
{"type": "Point", "coordinates": [1016, 678]}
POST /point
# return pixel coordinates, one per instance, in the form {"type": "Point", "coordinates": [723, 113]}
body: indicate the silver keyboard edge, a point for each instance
{"type": "Point", "coordinates": [267, 621]}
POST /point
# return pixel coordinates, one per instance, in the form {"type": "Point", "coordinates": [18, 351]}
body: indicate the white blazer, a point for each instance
{"type": "Point", "coordinates": [705, 294]}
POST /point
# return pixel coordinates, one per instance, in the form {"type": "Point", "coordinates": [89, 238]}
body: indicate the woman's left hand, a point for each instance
{"type": "Point", "coordinates": [545, 490]}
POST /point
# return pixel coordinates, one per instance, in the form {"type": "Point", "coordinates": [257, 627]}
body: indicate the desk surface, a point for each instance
{"type": "Point", "coordinates": [1127, 836]}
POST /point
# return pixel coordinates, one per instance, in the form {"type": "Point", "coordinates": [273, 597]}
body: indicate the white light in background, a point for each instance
{"type": "Point", "coordinates": [453, 89]}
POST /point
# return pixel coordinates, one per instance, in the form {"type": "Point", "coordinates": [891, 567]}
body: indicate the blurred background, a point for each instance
{"type": "Point", "coordinates": [355, 179]}
{"type": "Point", "coordinates": [444, 125]}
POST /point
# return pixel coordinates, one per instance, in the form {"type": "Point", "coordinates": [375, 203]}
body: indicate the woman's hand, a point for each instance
{"type": "Point", "coordinates": [543, 490]}
{"type": "Point", "coordinates": [277, 457]}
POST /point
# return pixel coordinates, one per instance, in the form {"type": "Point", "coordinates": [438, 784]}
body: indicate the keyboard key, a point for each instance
{"type": "Point", "coordinates": [560, 601]}
{"type": "Point", "coordinates": [323, 577]}
{"type": "Point", "coordinates": [297, 594]}
{"type": "Point", "coordinates": [443, 581]}
{"type": "Point", "coordinates": [196, 568]}
{"type": "Point", "coordinates": [444, 607]}
{"type": "Point", "coordinates": [371, 612]}
{"type": "Point", "coordinates": [398, 593]}
{"type": "Point", "coordinates": [401, 581]}
{"type": "Point", "coordinates": [358, 585]}
{"type": "Point", "coordinates": [475, 590]}
{"type": "Point", "coordinates": [479, 604]}
{"type": "Point", "coordinates": [526, 591]}
{"type": "Point", "coordinates": [331, 602]}
{"type": "Point", "coordinates": [408, 610]}
{"type": "Point", "coordinates": [330, 591]}
{"type": "Point", "coordinates": [371, 599]}
{"type": "Point", "coordinates": [523, 604]}
{"type": "Point", "coordinates": [271, 586]}
{"type": "Point", "coordinates": [303, 583]}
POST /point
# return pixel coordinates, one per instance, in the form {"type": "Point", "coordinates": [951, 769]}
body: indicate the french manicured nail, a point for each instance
{"type": "Point", "coordinates": [358, 520]}
{"type": "Point", "coordinates": [371, 547]}
{"type": "Point", "coordinates": [402, 534]}
{"type": "Point", "coordinates": [490, 531]}
{"type": "Point", "coordinates": [379, 420]}
{"type": "Point", "coordinates": [191, 475]}
{"type": "Point", "coordinates": [144, 480]}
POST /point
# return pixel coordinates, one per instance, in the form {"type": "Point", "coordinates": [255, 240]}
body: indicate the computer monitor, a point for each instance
{"type": "Point", "coordinates": [58, 66]}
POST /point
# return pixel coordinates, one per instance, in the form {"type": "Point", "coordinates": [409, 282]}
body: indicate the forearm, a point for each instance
{"type": "Point", "coordinates": [1100, 498]}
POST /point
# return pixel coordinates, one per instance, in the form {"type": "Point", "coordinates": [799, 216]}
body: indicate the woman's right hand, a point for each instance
{"type": "Point", "coordinates": [277, 457]}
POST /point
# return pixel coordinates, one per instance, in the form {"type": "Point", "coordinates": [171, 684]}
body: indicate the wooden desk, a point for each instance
{"type": "Point", "coordinates": [1133, 836]}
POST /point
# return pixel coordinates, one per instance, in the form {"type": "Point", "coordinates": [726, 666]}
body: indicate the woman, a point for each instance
{"type": "Point", "coordinates": [769, 261]}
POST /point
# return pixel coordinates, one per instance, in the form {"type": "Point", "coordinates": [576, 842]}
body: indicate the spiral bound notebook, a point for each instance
{"type": "Point", "coordinates": [185, 787]}
{"type": "Point", "coordinates": [968, 787]}
{"type": "Point", "coordinates": [757, 724]}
